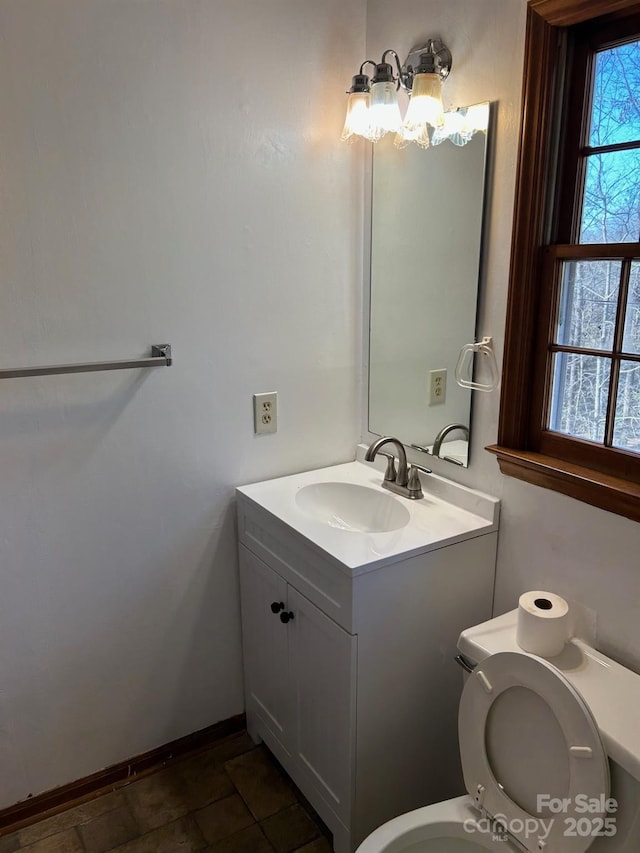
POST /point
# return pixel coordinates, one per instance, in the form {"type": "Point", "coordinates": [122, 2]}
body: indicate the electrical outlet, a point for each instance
{"type": "Point", "coordinates": [265, 412]}
{"type": "Point", "coordinates": [437, 387]}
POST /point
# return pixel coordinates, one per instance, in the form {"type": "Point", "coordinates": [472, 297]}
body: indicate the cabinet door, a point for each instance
{"type": "Point", "coordinates": [264, 639]}
{"type": "Point", "coordinates": [322, 658]}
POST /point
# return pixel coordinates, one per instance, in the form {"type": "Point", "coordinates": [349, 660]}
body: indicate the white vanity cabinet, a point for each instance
{"type": "Point", "coordinates": [300, 681]}
{"type": "Point", "coordinates": [351, 682]}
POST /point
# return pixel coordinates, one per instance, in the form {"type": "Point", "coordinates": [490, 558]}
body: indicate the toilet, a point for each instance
{"type": "Point", "coordinates": [550, 753]}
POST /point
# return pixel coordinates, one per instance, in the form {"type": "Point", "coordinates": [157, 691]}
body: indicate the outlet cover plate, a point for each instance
{"type": "Point", "coordinates": [265, 412]}
{"type": "Point", "coordinates": [437, 386]}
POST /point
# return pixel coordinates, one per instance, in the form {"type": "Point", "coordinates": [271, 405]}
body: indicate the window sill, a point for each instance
{"type": "Point", "coordinates": [602, 490]}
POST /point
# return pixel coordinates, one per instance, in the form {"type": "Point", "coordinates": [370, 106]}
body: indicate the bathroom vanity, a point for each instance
{"type": "Point", "coordinates": [352, 603]}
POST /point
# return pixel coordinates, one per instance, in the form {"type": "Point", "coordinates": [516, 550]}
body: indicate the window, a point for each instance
{"type": "Point", "coordinates": [570, 407]}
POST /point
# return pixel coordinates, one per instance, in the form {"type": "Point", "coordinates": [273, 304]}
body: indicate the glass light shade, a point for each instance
{"type": "Point", "coordinates": [425, 106]}
{"type": "Point", "coordinates": [453, 129]}
{"type": "Point", "coordinates": [477, 118]}
{"type": "Point", "coordinates": [357, 121]}
{"type": "Point", "coordinates": [385, 112]}
{"type": "Point", "coordinates": [420, 136]}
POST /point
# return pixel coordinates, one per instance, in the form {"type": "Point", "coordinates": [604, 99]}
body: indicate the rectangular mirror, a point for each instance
{"type": "Point", "coordinates": [426, 235]}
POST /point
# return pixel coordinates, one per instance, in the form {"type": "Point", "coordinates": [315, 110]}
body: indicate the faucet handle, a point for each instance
{"type": "Point", "coordinates": [390, 473]}
{"type": "Point", "coordinates": [414, 484]}
{"type": "Point", "coordinates": [420, 468]}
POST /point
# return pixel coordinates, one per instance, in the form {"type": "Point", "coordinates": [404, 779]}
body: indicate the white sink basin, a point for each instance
{"type": "Point", "coordinates": [348, 506]}
{"type": "Point", "coordinates": [344, 511]}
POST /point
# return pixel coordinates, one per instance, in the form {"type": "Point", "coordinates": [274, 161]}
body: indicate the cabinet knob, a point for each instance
{"type": "Point", "coordinates": [277, 606]}
{"type": "Point", "coordinates": [286, 617]}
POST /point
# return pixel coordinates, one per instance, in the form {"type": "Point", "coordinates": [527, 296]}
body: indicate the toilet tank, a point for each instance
{"type": "Point", "coordinates": [611, 691]}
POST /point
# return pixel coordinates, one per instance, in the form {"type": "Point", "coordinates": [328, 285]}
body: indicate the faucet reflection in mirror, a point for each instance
{"type": "Point", "coordinates": [373, 110]}
{"type": "Point", "coordinates": [444, 432]}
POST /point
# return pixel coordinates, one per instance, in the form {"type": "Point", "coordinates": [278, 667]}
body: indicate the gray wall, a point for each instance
{"type": "Point", "coordinates": [157, 185]}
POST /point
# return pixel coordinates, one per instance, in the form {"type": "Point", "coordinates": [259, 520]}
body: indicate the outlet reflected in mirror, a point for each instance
{"type": "Point", "coordinates": [426, 220]}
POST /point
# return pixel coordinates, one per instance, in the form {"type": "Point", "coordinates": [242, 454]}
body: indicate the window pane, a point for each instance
{"type": "Point", "coordinates": [611, 207]}
{"type": "Point", "coordinates": [580, 393]}
{"type": "Point", "coordinates": [588, 303]}
{"type": "Point", "coordinates": [615, 113]}
{"type": "Point", "coordinates": [631, 340]}
{"type": "Point", "coordinates": [626, 431]}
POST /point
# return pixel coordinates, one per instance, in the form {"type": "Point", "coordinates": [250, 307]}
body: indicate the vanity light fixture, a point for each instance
{"type": "Point", "coordinates": [357, 121]}
{"type": "Point", "coordinates": [384, 109]}
{"type": "Point", "coordinates": [425, 105]}
{"type": "Point", "coordinates": [373, 111]}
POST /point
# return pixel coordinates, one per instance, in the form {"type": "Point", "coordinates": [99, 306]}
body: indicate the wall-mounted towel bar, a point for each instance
{"type": "Point", "coordinates": [160, 357]}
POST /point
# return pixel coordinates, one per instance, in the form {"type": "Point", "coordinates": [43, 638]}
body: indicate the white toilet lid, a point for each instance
{"type": "Point", "coordinates": [526, 732]}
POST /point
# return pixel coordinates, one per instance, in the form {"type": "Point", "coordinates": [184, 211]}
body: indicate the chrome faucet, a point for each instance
{"type": "Point", "coordinates": [404, 482]}
{"type": "Point", "coordinates": [444, 432]}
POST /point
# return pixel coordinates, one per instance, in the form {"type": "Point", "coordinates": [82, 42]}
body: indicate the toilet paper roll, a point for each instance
{"type": "Point", "coordinates": [543, 623]}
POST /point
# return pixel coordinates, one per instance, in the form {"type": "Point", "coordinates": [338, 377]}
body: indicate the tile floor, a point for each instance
{"type": "Point", "coordinates": [230, 798]}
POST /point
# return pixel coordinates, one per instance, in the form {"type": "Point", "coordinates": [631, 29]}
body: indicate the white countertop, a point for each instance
{"type": "Point", "coordinates": [447, 514]}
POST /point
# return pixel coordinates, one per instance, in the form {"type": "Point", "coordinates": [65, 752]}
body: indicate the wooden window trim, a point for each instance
{"type": "Point", "coordinates": [566, 13]}
{"type": "Point", "coordinates": [546, 20]}
{"type": "Point", "coordinates": [611, 460]}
